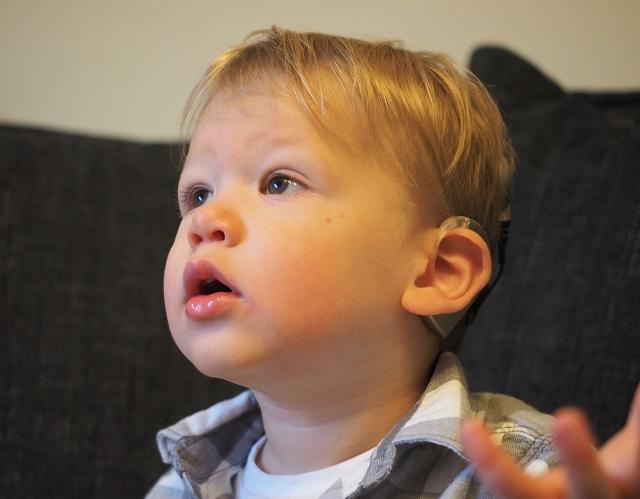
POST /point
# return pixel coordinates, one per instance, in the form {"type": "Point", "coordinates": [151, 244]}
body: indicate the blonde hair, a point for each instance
{"type": "Point", "coordinates": [432, 122]}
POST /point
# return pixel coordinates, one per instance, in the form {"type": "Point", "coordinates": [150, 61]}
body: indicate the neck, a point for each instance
{"type": "Point", "coordinates": [344, 419]}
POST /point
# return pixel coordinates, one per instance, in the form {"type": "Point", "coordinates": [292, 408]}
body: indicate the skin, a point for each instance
{"type": "Point", "coordinates": [611, 472]}
{"type": "Point", "coordinates": [333, 272]}
{"type": "Point", "coordinates": [321, 269]}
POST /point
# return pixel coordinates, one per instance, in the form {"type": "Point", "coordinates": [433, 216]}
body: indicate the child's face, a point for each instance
{"type": "Point", "coordinates": [312, 241]}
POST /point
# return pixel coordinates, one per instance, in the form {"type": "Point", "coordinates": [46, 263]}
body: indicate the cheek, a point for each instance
{"type": "Point", "coordinates": [172, 270]}
{"type": "Point", "coordinates": [170, 281]}
{"type": "Point", "coordinates": [316, 279]}
{"type": "Point", "coordinates": [173, 287]}
{"type": "Point", "coordinates": [295, 269]}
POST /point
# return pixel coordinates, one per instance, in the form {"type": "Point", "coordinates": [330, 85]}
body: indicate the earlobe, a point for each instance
{"type": "Point", "coordinates": [459, 267]}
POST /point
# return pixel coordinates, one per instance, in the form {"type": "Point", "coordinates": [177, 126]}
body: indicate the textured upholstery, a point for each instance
{"type": "Point", "coordinates": [89, 371]}
{"type": "Point", "coordinates": [562, 325]}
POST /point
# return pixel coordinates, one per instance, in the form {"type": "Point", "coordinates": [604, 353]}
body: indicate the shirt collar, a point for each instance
{"type": "Point", "coordinates": [434, 419]}
{"type": "Point", "coordinates": [212, 440]}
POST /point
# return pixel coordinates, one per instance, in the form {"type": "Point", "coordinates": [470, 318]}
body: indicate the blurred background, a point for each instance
{"type": "Point", "coordinates": [125, 68]}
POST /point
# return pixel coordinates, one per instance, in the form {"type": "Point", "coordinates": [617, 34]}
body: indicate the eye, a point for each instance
{"type": "Point", "coordinates": [194, 196]}
{"type": "Point", "coordinates": [281, 184]}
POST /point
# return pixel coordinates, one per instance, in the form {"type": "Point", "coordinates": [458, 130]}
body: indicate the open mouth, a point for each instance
{"type": "Point", "coordinates": [213, 286]}
{"type": "Point", "coordinates": [202, 278]}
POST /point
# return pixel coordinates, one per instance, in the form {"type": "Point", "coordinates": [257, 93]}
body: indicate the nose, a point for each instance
{"type": "Point", "coordinates": [214, 224]}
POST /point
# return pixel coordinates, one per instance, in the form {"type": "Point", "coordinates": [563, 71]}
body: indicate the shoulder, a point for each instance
{"type": "Point", "coordinates": [169, 486]}
{"type": "Point", "coordinates": [224, 421]}
{"type": "Point", "coordinates": [523, 432]}
{"type": "Point", "coordinates": [206, 449]}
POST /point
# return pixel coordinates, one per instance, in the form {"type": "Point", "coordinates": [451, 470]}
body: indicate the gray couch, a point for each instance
{"type": "Point", "coordinates": [89, 371]}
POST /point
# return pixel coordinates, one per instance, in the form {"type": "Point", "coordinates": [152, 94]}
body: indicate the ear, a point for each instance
{"type": "Point", "coordinates": [459, 267]}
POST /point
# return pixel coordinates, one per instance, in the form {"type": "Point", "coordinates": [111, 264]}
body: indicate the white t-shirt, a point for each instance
{"type": "Point", "coordinates": [253, 483]}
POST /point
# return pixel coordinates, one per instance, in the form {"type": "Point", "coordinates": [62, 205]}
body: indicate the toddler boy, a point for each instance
{"type": "Point", "coordinates": [340, 201]}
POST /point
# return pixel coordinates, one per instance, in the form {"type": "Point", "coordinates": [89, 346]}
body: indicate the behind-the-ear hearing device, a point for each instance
{"type": "Point", "coordinates": [443, 324]}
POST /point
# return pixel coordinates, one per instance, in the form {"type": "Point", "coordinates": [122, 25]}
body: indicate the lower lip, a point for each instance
{"type": "Point", "coordinates": [205, 307]}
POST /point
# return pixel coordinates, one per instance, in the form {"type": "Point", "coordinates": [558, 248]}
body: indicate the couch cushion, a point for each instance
{"type": "Point", "coordinates": [562, 325]}
{"type": "Point", "coordinates": [90, 372]}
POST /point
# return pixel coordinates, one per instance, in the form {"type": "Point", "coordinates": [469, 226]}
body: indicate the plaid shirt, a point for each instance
{"type": "Point", "coordinates": [420, 457]}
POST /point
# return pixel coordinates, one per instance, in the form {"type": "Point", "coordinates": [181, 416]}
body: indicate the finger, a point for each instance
{"type": "Point", "coordinates": [620, 456]}
{"type": "Point", "coordinates": [634, 425]}
{"type": "Point", "coordinates": [575, 442]}
{"type": "Point", "coordinates": [633, 420]}
{"type": "Point", "coordinates": [497, 471]}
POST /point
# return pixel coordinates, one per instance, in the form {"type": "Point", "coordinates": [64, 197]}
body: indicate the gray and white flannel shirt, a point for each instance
{"type": "Point", "coordinates": [420, 457]}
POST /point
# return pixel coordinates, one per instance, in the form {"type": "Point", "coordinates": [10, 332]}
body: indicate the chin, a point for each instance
{"type": "Point", "coordinates": [221, 359]}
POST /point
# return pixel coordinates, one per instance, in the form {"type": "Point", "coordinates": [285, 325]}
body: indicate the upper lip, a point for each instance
{"type": "Point", "coordinates": [201, 271]}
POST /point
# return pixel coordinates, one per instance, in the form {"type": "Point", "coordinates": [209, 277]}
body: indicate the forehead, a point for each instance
{"type": "Point", "coordinates": [258, 120]}
{"type": "Point", "coordinates": [244, 128]}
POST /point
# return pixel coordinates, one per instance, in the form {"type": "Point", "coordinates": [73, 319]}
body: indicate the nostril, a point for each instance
{"type": "Point", "coordinates": [194, 239]}
{"type": "Point", "coordinates": [217, 235]}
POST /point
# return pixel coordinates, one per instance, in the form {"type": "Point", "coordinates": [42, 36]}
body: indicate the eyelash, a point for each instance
{"type": "Point", "coordinates": [289, 180]}
{"type": "Point", "coordinates": [186, 197]}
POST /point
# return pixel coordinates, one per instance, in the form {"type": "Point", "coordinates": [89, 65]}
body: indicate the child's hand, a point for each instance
{"type": "Point", "coordinates": [613, 471]}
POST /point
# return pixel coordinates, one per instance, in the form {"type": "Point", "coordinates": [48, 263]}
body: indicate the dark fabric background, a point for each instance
{"type": "Point", "coordinates": [89, 372]}
{"type": "Point", "coordinates": [562, 325]}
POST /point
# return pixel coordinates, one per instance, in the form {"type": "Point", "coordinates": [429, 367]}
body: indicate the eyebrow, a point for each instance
{"type": "Point", "coordinates": [266, 139]}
